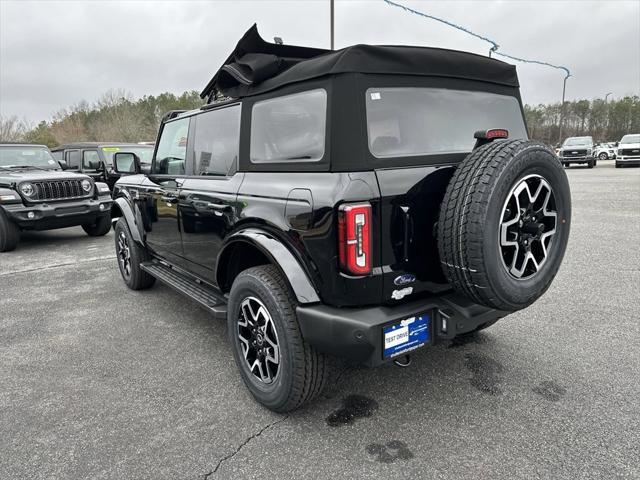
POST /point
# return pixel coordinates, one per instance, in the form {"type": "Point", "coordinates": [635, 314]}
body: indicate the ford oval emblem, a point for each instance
{"type": "Point", "coordinates": [404, 279]}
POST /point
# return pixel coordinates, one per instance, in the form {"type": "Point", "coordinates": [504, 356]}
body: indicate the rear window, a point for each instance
{"type": "Point", "coordinates": [403, 122]}
{"type": "Point", "coordinates": [290, 128]}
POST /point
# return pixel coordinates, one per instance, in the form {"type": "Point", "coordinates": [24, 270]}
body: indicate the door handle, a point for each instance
{"type": "Point", "coordinates": [218, 206]}
{"type": "Point", "coordinates": [168, 198]}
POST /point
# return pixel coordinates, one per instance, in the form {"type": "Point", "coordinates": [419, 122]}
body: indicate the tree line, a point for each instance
{"type": "Point", "coordinates": [118, 117]}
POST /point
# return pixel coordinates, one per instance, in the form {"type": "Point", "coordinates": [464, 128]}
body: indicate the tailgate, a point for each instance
{"type": "Point", "coordinates": [410, 201]}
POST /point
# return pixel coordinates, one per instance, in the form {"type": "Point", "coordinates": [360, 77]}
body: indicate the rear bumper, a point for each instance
{"type": "Point", "coordinates": [46, 216]}
{"type": "Point", "coordinates": [356, 333]}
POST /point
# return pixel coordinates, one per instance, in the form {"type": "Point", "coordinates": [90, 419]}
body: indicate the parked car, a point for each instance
{"type": "Point", "coordinates": [628, 151]}
{"type": "Point", "coordinates": [604, 151]}
{"type": "Point", "coordinates": [577, 150]}
{"type": "Point", "coordinates": [35, 194]}
{"type": "Point", "coordinates": [337, 203]}
{"type": "Point", "coordinates": [95, 159]}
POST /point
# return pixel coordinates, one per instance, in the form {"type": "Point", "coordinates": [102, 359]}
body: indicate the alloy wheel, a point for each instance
{"type": "Point", "coordinates": [258, 340]}
{"type": "Point", "coordinates": [528, 225]}
{"type": "Point", "coordinates": [124, 255]}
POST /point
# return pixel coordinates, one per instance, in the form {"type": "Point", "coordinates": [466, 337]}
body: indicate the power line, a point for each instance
{"type": "Point", "coordinates": [494, 45]}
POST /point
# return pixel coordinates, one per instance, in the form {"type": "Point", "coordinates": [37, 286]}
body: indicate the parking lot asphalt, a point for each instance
{"type": "Point", "coordinates": [100, 382]}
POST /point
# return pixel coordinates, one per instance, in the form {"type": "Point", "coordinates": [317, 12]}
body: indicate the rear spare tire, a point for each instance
{"type": "Point", "coordinates": [504, 224]}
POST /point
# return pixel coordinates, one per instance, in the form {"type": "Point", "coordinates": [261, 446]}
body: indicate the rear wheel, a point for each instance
{"type": "Point", "coordinates": [9, 233]}
{"type": "Point", "coordinates": [130, 255]}
{"type": "Point", "coordinates": [603, 156]}
{"type": "Point", "coordinates": [279, 368]}
{"type": "Point", "coordinates": [100, 227]}
{"type": "Point", "coordinates": [504, 224]}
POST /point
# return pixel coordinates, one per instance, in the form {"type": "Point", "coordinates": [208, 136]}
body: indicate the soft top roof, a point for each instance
{"type": "Point", "coordinates": [256, 66]}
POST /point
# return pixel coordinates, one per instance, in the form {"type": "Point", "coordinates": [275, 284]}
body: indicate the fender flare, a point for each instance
{"type": "Point", "coordinates": [129, 216]}
{"type": "Point", "coordinates": [280, 256]}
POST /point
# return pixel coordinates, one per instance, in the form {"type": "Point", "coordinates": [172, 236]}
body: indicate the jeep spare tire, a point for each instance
{"type": "Point", "coordinates": [504, 223]}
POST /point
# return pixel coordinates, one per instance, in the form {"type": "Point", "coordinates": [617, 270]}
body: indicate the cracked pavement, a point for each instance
{"type": "Point", "coordinates": [100, 382]}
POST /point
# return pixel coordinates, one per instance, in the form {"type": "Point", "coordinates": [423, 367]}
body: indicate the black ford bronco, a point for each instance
{"type": "Point", "coordinates": [36, 195]}
{"type": "Point", "coordinates": [361, 203]}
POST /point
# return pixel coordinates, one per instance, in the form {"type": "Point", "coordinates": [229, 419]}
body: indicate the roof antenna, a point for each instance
{"type": "Point", "coordinates": [277, 40]}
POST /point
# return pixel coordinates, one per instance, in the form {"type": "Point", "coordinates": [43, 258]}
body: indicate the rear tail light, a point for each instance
{"type": "Point", "coordinates": [354, 238]}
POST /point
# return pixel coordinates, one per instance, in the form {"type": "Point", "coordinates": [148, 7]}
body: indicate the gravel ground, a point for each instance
{"type": "Point", "coordinates": [97, 381]}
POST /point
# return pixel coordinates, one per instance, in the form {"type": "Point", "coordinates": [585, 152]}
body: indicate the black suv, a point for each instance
{"type": "Point", "coordinates": [95, 159]}
{"type": "Point", "coordinates": [36, 195]}
{"type": "Point", "coordinates": [362, 203]}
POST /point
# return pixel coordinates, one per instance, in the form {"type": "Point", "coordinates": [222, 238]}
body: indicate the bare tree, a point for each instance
{"type": "Point", "coordinates": [12, 129]}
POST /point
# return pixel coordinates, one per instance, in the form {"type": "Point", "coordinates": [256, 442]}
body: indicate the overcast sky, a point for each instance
{"type": "Point", "coordinates": [54, 54]}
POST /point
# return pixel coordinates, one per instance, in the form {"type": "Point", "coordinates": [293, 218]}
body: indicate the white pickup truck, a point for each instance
{"type": "Point", "coordinates": [628, 151]}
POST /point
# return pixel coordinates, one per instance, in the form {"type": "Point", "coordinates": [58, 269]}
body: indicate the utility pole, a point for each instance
{"type": "Point", "coordinates": [564, 88]}
{"type": "Point", "coordinates": [331, 8]}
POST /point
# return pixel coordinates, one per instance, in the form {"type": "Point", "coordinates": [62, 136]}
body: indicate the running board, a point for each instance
{"type": "Point", "coordinates": [206, 296]}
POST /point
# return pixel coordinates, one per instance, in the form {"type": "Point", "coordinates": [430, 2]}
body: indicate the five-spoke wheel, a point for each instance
{"type": "Point", "coordinates": [528, 224]}
{"type": "Point", "coordinates": [258, 340]}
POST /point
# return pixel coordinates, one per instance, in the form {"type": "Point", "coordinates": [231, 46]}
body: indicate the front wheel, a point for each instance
{"type": "Point", "coordinates": [280, 369]}
{"type": "Point", "coordinates": [99, 228]}
{"type": "Point", "coordinates": [591, 163]}
{"type": "Point", "coordinates": [130, 255]}
{"type": "Point", "coordinates": [9, 233]}
{"type": "Point", "coordinates": [603, 156]}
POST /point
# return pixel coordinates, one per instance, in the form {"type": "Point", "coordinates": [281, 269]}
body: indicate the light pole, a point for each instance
{"type": "Point", "coordinates": [331, 13]}
{"type": "Point", "coordinates": [564, 88]}
{"type": "Point", "coordinates": [606, 126]}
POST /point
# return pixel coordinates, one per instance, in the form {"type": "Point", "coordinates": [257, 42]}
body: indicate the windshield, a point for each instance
{"type": "Point", "coordinates": [405, 122]}
{"type": "Point", "coordinates": [144, 152]}
{"type": "Point", "coordinates": [575, 141]}
{"type": "Point", "coordinates": [26, 156]}
{"type": "Point", "coordinates": [630, 139]}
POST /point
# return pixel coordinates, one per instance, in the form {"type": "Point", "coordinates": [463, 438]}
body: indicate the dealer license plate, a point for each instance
{"type": "Point", "coordinates": [406, 335]}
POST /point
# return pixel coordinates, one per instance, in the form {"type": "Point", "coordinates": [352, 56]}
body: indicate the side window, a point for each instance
{"type": "Point", "coordinates": [216, 141]}
{"type": "Point", "coordinates": [58, 155]}
{"type": "Point", "coordinates": [90, 160]}
{"type": "Point", "coordinates": [73, 158]}
{"type": "Point", "coordinates": [289, 128]}
{"type": "Point", "coordinates": [172, 148]}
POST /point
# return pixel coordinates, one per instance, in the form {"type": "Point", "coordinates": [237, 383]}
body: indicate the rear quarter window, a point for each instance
{"type": "Point", "coordinates": [404, 122]}
{"type": "Point", "coordinates": [291, 128]}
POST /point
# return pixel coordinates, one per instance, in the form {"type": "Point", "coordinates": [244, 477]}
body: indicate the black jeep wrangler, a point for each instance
{"type": "Point", "coordinates": [361, 203]}
{"type": "Point", "coordinates": [36, 195]}
{"type": "Point", "coordinates": [95, 159]}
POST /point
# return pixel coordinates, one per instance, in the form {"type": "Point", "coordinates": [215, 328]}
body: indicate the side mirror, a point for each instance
{"type": "Point", "coordinates": [126, 162]}
{"type": "Point", "coordinates": [63, 164]}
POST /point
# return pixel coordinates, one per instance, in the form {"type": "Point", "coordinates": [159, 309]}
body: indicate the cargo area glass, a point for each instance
{"type": "Point", "coordinates": [404, 122]}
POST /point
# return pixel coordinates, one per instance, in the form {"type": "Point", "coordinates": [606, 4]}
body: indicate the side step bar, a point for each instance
{"type": "Point", "coordinates": [206, 296]}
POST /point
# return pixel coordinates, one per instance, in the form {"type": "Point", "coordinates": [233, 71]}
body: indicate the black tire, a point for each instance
{"type": "Point", "coordinates": [134, 277]}
{"type": "Point", "coordinates": [591, 163]}
{"type": "Point", "coordinates": [9, 233]}
{"type": "Point", "coordinates": [618, 165]}
{"type": "Point", "coordinates": [302, 371]}
{"type": "Point", "coordinates": [474, 209]}
{"type": "Point", "coordinates": [603, 156]}
{"type": "Point", "coordinates": [99, 228]}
